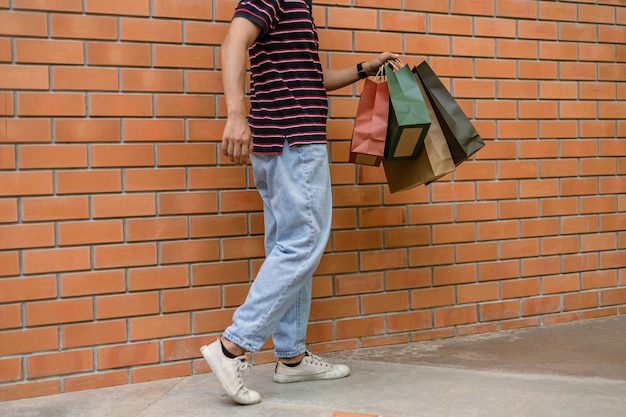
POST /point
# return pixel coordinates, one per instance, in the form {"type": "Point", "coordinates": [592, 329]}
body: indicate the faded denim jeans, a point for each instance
{"type": "Point", "coordinates": [296, 192]}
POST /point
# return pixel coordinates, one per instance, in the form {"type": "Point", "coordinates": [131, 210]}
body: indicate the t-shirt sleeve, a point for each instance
{"type": "Point", "coordinates": [264, 13]}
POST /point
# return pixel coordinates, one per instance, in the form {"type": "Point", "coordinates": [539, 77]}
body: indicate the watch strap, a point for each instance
{"type": "Point", "coordinates": [361, 71]}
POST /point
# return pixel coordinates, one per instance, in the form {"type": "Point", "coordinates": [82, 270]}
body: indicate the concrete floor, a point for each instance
{"type": "Point", "coordinates": [566, 370]}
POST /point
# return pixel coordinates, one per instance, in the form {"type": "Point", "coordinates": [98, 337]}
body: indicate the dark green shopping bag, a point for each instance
{"type": "Point", "coordinates": [463, 139]}
{"type": "Point", "coordinates": [408, 116]}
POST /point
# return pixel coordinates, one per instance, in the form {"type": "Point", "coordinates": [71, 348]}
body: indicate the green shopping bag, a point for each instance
{"type": "Point", "coordinates": [408, 116]}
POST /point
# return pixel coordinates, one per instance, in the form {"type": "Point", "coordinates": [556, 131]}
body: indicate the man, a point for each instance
{"type": "Point", "coordinates": [285, 137]}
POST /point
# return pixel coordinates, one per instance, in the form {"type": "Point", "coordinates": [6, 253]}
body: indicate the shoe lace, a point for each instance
{"type": "Point", "coordinates": [316, 360]}
{"type": "Point", "coordinates": [242, 365]}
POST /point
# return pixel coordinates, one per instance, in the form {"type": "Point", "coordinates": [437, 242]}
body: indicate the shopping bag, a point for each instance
{"type": "Point", "coordinates": [462, 137]}
{"type": "Point", "coordinates": [408, 117]}
{"type": "Point", "coordinates": [433, 161]}
{"type": "Point", "coordinates": [370, 126]}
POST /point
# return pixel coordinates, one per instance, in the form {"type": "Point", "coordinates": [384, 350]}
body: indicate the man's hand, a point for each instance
{"type": "Point", "coordinates": [371, 67]}
{"type": "Point", "coordinates": [237, 140]}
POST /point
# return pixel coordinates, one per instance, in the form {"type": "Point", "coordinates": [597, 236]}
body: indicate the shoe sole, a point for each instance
{"type": "Point", "coordinates": [286, 379]}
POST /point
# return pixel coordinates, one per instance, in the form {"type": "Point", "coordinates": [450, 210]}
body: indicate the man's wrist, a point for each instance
{"type": "Point", "coordinates": [361, 71]}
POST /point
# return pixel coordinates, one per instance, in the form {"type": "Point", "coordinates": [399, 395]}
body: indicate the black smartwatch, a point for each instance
{"type": "Point", "coordinates": [361, 71]}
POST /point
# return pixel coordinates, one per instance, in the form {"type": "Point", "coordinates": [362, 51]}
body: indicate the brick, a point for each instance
{"type": "Point", "coordinates": [500, 311]}
{"type": "Point", "coordinates": [128, 205]}
{"type": "Point", "coordinates": [86, 79]}
{"type": "Point", "coordinates": [118, 7]}
{"type": "Point", "coordinates": [188, 154]}
{"type": "Point", "coordinates": [9, 264]}
{"type": "Point", "coordinates": [93, 334]}
{"type": "Point", "coordinates": [83, 27]}
{"type": "Point", "coordinates": [191, 299]}
{"type": "Point", "coordinates": [594, 204]}
{"type": "Point", "coordinates": [152, 80]}
{"type": "Point", "coordinates": [560, 283]}
{"type": "Point", "coordinates": [334, 308]}
{"type": "Point", "coordinates": [52, 5]}
{"type": "Point", "coordinates": [189, 251]}
{"type": "Point", "coordinates": [26, 130]}
{"type": "Point", "coordinates": [8, 210]}
{"type": "Point", "coordinates": [5, 50]}
{"type": "Point", "coordinates": [212, 33]}
{"type": "Point", "coordinates": [187, 203]}
{"type": "Point", "coordinates": [522, 248]}
{"type": "Point", "coordinates": [151, 373]}
{"type": "Point", "coordinates": [191, 9]}
{"type": "Point", "coordinates": [558, 50]}
{"type": "Point", "coordinates": [90, 283]}
{"type": "Point", "coordinates": [90, 232]}
{"type": "Point", "coordinates": [475, 47]}
{"type": "Point", "coordinates": [384, 216]}
{"type": "Point", "coordinates": [613, 296]}
{"type": "Point", "coordinates": [559, 245]}
{"type": "Point", "coordinates": [51, 104]}
{"type": "Point", "coordinates": [427, 45]}
{"type": "Point", "coordinates": [184, 106]}
{"type": "Point", "coordinates": [383, 303]}
{"type": "Point", "coordinates": [119, 54]}
{"type": "Point", "coordinates": [93, 381]}
{"type": "Point", "coordinates": [26, 236]}
{"type": "Point", "coordinates": [411, 321]}
{"type": "Point", "coordinates": [222, 225]}
{"type": "Point", "coordinates": [10, 318]}
{"type": "Point", "coordinates": [25, 289]}
{"type": "Point", "coordinates": [49, 51]}
{"type": "Point", "coordinates": [490, 271]}
{"type": "Point", "coordinates": [541, 305]}
{"type": "Point", "coordinates": [473, 252]}
{"type": "Point", "coordinates": [88, 181]}
{"type": "Point", "coordinates": [360, 327]}
{"type": "Point", "coordinates": [56, 260]}
{"type": "Point", "coordinates": [432, 297]}
{"type": "Point", "coordinates": [372, 239]}
{"type": "Point", "coordinates": [156, 229]}
{"type": "Point", "coordinates": [86, 130]}
{"type": "Point", "coordinates": [53, 156]}
{"type": "Point", "coordinates": [212, 320]}
{"type": "Point", "coordinates": [123, 105]}
{"type": "Point", "coordinates": [59, 363]}
{"type": "Point", "coordinates": [453, 316]}
{"type": "Point", "coordinates": [479, 7]}
{"type": "Point", "coordinates": [220, 273]}
{"type": "Point", "coordinates": [122, 155]}
{"type": "Point", "coordinates": [384, 259]}
{"type": "Point", "coordinates": [453, 25]}
{"type": "Point", "coordinates": [23, 24]}
{"type": "Point", "coordinates": [237, 201]}
{"type": "Point", "coordinates": [541, 266]}
{"type": "Point", "coordinates": [557, 11]}
{"type": "Point", "coordinates": [55, 208]}
{"type": "Point", "coordinates": [10, 369]}
{"type": "Point", "coordinates": [60, 311]}
{"type": "Point", "coordinates": [159, 180]}
{"type": "Point", "coordinates": [521, 288]}
{"type": "Point", "coordinates": [126, 305]}
{"type": "Point", "coordinates": [159, 326]}
{"type": "Point", "coordinates": [178, 56]}
{"type": "Point", "coordinates": [23, 77]}
{"type": "Point", "coordinates": [30, 389]}
{"type": "Point", "coordinates": [153, 130]}
{"type": "Point", "coordinates": [14, 342]}
{"type": "Point", "coordinates": [359, 19]}
{"type": "Point", "coordinates": [581, 300]}
{"type": "Point", "coordinates": [125, 255]}
{"type": "Point", "coordinates": [440, 255]}
{"type": "Point", "coordinates": [239, 247]}
{"type": "Point", "coordinates": [472, 293]}
{"type": "Point", "coordinates": [208, 178]}
{"type": "Point", "coordinates": [152, 30]}
{"type": "Point", "coordinates": [128, 355]}
{"type": "Point", "coordinates": [203, 82]}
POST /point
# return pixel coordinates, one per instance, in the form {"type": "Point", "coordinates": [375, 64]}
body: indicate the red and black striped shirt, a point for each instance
{"type": "Point", "coordinates": [287, 95]}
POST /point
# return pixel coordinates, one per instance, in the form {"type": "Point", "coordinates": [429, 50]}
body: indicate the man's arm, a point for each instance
{"type": "Point", "coordinates": [338, 78]}
{"type": "Point", "coordinates": [237, 138]}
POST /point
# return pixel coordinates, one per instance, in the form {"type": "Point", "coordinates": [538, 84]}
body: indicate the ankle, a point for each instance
{"type": "Point", "coordinates": [292, 361]}
{"type": "Point", "coordinates": [230, 347]}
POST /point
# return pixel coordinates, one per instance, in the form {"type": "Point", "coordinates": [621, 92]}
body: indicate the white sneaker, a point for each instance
{"type": "Point", "coordinates": [311, 368]}
{"type": "Point", "coordinates": [228, 372]}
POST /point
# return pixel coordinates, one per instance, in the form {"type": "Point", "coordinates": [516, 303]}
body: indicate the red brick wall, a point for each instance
{"type": "Point", "coordinates": [126, 241]}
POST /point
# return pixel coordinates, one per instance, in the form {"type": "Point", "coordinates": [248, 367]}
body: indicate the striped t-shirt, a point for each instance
{"type": "Point", "coordinates": [287, 95]}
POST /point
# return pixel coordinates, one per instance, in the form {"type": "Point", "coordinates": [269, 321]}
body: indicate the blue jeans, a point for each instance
{"type": "Point", "coordinates": [297, 207]}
